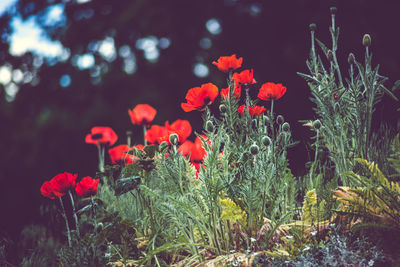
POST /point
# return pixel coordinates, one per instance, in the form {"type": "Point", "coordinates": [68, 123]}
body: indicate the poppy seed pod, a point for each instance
{"type": "Point", "coordinates": [366, 40]}
{"type": "Point", "coordinates": [266, 141]}
{"type": "Point", "coordinates": [333, 10]}
{"type": "Point", "coordinates": [174, 139]}
{"type": "Point", "coordinates": [254, 149]}
{"type": "Point", "coordinates": [280, 119]}
{"type": "Point", "coordinates": [222, 108]}
{"type": "Point", "coordinates": [163, 146]}
{"type": "Point", "coordinates": [209, 126]}
{"type": "Point", "coordinates": [317, 124]}
{"type": "Point", "coordinates": [313, 27]}
{"type": "Point", "coordinates": [286, 127]}
{"type": "Point", "coordinates": [351, 58]}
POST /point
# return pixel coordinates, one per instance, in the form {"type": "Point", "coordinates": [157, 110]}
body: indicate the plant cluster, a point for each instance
{"type": "Point", "coordinates": [228, 196]}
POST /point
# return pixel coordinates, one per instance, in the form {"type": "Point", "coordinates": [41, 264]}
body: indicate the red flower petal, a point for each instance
{"type": "Point", "coordinates": [154, 134]}
{"type": "Point", "coordinates": [63, 182]}
{"type": "Point", "coordinates": [270, 91]}
{"type": "Point", "coordinates": [228, 63]}
{"type": "Point", "coordinates": [101, 135]}
{"type": "Point", "coordinates": [142, 114]}
{"type": "Point", "coordinates": [253, 111]}
{"type": "Point", "coordinates": [118, 154]}
{"type": "Point", "coordinates": [47, 190]}
{"type": "Point", "coordinates": [199, 97]}
{"type": "Point", "coordinates": [244, 77]}
{"type": "Point", "coordinates": [87, 187]}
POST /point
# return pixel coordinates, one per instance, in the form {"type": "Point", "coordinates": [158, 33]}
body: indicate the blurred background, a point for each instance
{"type": "Point", "coordinates": [66, 66]}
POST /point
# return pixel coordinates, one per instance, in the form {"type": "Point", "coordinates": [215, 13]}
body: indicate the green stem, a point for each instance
{"type": "Point", "coordinates": [93, 211]}
{"type": "Point", "coordinates": [74, 213]}
{"type": "Point", "coordinates": [100, 150]}
{"type": "Point", "coordinates": [66, 222]}
{"type": "Point", "coordinates": [144, 134]}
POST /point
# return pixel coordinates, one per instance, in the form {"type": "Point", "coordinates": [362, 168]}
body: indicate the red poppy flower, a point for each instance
{"type": "Point", "coordinates": [226, 64]}
{"type": "Point", "coordinates": [47, 190]}
{"type": "Point", "coordinates": [101, 135]}
{"type": "Point", "coordinates": [87, 187]}
{"type": "Point", "coordinates": [142, 114]}
{"type": "Point", "coordinates": [154, 134]}
{"type": "Point", "coordinates": [118, 154]}
{"type": "Point", "coordinates": [270, 91]}
{"type": "Point", "coordinates": [244, 77]}
{"type": "Point", "coordinates": [199, 97]}
{"type": "Point", "coordinates": [186, 148]}
{"type": "Point", "coordinates": [195, 150]}
{"type": "Point", "coordinates": [181, 127]}
{"type": "Point", "coordinates": [63, 182]}
{"type": "Point", "coordinates": [253, 111]}
{"type": "Point", "coordinates": [198, 152]}
{"type": "Point", "coordinates": [236, 91]}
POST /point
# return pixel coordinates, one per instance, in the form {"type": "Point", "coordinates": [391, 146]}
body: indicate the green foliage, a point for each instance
{"type": "Point", "coordinates": [345, 106]}
{"type": "Point", "coordinates": [373, 203]}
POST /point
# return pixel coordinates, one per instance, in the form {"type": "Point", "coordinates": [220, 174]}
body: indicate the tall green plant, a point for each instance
{"type": "Point", "coordinates": [344, 106]}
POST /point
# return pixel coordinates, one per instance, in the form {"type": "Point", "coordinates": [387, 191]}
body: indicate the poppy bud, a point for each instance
{"type": "Point", "coordinates": [333, 10]}
{"type": "Point", "coordinates": [174, 139]}
{"type": "Point", "coordinates": [286, 127]}
{"type": "Point", "coordinates": [317, 124]}
{"type": "Point", "coordinates": [266, 140]}
{"type": "Point", "coordinates": [99, 227]}
{"type": "Point", "coordinates": [222, 108]}
{"type": "Point", "coordinates": [162, 146]}
{"type": "Point", "coordinates": [254, 149]}
{"type": "Point", "coordinates": [366, 40]}
{"type": "Point", "coordinates": [128, 133]}
{"type": "Point", "coordinates": [329, 55]}
{"type": "Point", "coordinates": [351, 58]}
{"type": "Point", "coordinates": [209, 126]}
{"type": "Point", "coordinates": [313, 27]}
{"type": "Point", "coordinates": [280, 119]}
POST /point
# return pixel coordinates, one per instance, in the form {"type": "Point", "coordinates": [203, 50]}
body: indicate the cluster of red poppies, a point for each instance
{"type": "Point", "coordinates": [199, 97]}
{"type": "Point", "coordinates": [143, 115]}
{"type": "Point", "coordinates": [64, 182]}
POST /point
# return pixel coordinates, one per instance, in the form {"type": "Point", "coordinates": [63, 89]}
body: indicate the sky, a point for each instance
{"type": "Point", "coordinates": [29, 36]}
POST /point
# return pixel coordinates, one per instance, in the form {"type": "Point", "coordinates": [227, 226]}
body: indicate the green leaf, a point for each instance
{"type": "Point", "coordinates": [125, 185]}
{"type": "Point", "coordinates": [323, 47]}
